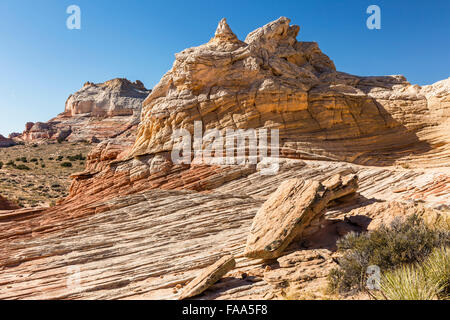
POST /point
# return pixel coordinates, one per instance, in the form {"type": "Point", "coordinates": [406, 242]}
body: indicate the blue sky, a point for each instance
{"type": "Point", "coordinates": [42, 62]}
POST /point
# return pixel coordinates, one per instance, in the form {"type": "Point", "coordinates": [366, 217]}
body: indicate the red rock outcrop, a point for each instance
{"type": "Point", "coordinates": [6, 142]}
{"type": "Point", "coordinates": [6, 204]}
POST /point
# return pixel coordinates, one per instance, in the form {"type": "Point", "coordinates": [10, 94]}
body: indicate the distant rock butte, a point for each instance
{"type": "Point", "coordinates": [6, 142]}
{"type": "Point", "coordinates": [136, 225]}
{"type": "Point", "coordinates": [99, 111]}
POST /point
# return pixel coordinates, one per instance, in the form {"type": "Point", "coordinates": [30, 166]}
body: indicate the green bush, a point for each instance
{"type": "Point", "coordinates": [22, 167]}
{"type": "Point", "coordinates": [405, 241]}
{"type": "Point", "coordinates": [66, 164]}
{"type": "Point", "coordinates": [426, 281]}
{"type": "Point", "coordinates": [34, 160]}
{"type": "Point", "coordinates": [1, 164]}
{"type": "Point", "coordinates": [76, 157]}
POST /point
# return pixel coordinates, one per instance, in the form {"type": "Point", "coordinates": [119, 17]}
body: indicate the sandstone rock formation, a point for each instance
{"type": "Point", "coordinates": [208, 277]}
{"type": "Point", "coordinates": [274, 81]}
{"type": "Point", "coordinates": [6, 142]}
{"type": "Point", "coordinates": [290, 210]}
{"type": "Point", "coordinates": [6, 204]}
{"type": "Point", "coordinates": [136, 225]}
{"type": "Point", "coordinates": [271, 80]}
{"type": "Point", "coordinates": [103, 110]}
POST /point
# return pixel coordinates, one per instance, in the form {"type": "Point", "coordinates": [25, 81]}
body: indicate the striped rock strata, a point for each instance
{"type": "Point", "coordinates": [136, 225]}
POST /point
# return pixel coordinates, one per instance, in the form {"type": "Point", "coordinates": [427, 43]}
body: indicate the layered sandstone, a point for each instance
{"type": "Point", "coordinates": [137, 225]}
{"type": "Point", "coordinates": [271, 80]}
{"type": "Point", "coordinates": [94, 113]}
{"type": "Point", "coordinates": [143, 245]}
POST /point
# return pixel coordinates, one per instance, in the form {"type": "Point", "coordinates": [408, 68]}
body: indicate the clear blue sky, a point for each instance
{"type": "Point", "coordinates": [42, 62]}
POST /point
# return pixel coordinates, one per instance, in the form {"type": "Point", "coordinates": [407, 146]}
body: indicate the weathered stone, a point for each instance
{"type": "Point", "coordinates": [102, 110]}
{"type": "Point", "coordinates": [6, 142]}
{"type": "Point", "coordinates": [208, 277]}
{"type": "Point", "coordinates": [6, 204]}
{"type": "Point", "coordinates": [289, 210]}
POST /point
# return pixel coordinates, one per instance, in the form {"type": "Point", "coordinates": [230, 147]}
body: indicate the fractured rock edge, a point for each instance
{"type": "Point", "coordinates": [289, 210]}
{"type": "Point", "coordinates": [208, 277]}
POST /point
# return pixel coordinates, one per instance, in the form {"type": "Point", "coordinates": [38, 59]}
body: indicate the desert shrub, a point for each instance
{"type": "Point", "coordinates": [22, 167]}
{"type": "Point", "coordinates": [59, 158]}
{"type": "Point", "coordinates": [23, 159]}
{"type": "Point", "coordinates": [1, 164]}
{"type": "Point", "coordinates": [51, 158]}
{"type": "Point", "coordinates": [66, 164]}
{"type": "Point", "coordinates": [76, 157]}
{"type": "Point", "coordinates": [426, 281]}
{"type": "Point", "coordinates": [34, 160]}
{"type": "Point", "coordinates": [405, 241]}
{"type": "Point", "coordinates": [11, 163]}
{"type": "Point", "coordinates": [43, 165]}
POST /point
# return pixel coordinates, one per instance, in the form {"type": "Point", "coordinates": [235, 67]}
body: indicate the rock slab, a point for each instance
{"type": "Point", "coordinates": [290, 209]}
{"type": "Point", "coordinates": [208, 277]}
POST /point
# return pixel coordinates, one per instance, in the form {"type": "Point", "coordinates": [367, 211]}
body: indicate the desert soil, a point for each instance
{"type": "Point", "coordinates": [46, 180]}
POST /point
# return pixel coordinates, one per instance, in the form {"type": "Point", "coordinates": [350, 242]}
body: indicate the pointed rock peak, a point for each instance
{"type": "Point", "coordinates": [278, 30]}
{"type": "Point", "coordinates": [223, 31]}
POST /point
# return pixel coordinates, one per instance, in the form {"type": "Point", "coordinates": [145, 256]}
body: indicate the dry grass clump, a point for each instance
{"type": "Point", "coordinates": [422, 281]}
